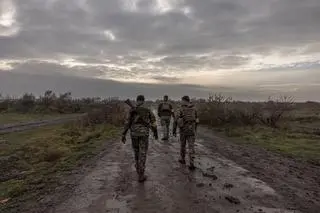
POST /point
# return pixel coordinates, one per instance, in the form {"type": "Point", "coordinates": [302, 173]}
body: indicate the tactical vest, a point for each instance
{"type": "Point", "coordinates": [141, 116]}
{"type": "Point", "coordinates": [141, 121]}
{"type": "Point", "coordinates": [165, 106]}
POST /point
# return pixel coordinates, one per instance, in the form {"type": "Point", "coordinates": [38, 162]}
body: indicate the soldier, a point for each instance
{"type": "Point", "coordinates": [140, 120]}
{"type": "Point", "coordinates": [186, 119]}
{"type": "Point", "coordinates": [165, 111]}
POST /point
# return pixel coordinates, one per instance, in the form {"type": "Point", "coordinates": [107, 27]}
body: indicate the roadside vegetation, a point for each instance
{"type": "Point", "coordinates": [35, 162]}
{"type": "Point", "coordinates": [49, 105]}
{"type": "Point", "coordinates": [278, 124]}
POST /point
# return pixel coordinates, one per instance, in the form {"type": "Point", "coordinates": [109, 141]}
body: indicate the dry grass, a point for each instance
{"type": "Point", "coordinates": [33, 162]}
{"type": "Point", "coordinates": [277, 124]}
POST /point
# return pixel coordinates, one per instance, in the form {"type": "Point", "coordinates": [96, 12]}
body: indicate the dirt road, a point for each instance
{"type": "Point", "coordinates": [217, 185]}
{"type": "Point", "coordinates": [8, 128]}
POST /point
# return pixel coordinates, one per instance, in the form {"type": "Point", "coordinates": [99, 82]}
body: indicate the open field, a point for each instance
{"type": "Point", "coordinates": [300, 145]}
{"type": "Point", "coordinates": [34, 162]}
{"type": "Point", "coordinates": [250, 157]}
{"type": "Point", "coordinates": [15, 118]}
{"type": "Point", "coordinates": [292, 129]}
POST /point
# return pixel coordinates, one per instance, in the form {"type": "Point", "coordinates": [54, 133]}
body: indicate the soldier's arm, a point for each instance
{"type": "Point", "coordinates": [175, 122]}
{"type": "Point", "coordinates": [153, 125]}
{"type": "Point", "coordinates": [159, 109]}
{"type": "Point", "coordinates": [172, 111]}
{"type": "Point", "coordinates": [197, 117]}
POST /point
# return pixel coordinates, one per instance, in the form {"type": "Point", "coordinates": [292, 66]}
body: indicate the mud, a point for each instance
{"type": "Point", "coordinates": [295, 180]}
{"type": "Point", "coordinates": [111, 184]}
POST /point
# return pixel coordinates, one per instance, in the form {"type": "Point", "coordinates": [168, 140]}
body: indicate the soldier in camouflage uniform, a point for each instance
{"type": "Point", "coordinates": [165, 111]}
{"type": "Point", "coordinates": [186, 119]}
{"type": "Point", "coordinates": [140, 121]}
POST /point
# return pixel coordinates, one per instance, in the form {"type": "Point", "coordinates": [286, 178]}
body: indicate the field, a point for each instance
{"type": "Point", "coordinates": [277, 141]}
{"type": "Point", "coordinates": [34, 162]}
{"type": "Point", "coordinates": [15, 118]}
{"type": "Point", "coordinates": [292, 129]}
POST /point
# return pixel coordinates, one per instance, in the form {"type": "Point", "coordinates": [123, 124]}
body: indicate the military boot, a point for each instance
{"type": "Point", "coordinates": [182, 161]}
{"type": "Point", "coordinates": [192, 167]}
{"type": "Point", "coordinates": [142, 178]}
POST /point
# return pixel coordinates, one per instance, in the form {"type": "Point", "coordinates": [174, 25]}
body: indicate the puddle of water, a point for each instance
{"type": "Point", "coordinates": [272, 210]}
{"type": "Point", "coordinates": [259, 185]}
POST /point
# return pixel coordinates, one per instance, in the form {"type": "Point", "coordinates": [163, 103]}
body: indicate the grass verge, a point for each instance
{"type": "Point", "coordinates": [304, 145]}
{"type": "Point", "coordinates": [32, 163]}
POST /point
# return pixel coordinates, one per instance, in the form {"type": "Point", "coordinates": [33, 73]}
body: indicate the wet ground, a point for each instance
{"type": "Point", "coordinates": [217, 185]}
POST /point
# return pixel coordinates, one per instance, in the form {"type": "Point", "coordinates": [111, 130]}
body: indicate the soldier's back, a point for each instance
{"type": "Point", "coordinates": [141, 121]}
{"type": "Point", "coordinates": [188, 119]}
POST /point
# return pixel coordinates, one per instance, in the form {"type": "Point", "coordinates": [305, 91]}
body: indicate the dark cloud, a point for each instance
{"type": "Point", "coordinates": [76, 27]}
{"type": "Point", "coordinates": [123, 38]}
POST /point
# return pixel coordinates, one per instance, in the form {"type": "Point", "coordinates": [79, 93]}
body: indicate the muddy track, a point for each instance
{"type": "Point", "coordinates": [217, 185]}
{"type": "Point", "coordinates": [8, 128]}
{"type": "Point", "coordinates": [296, 180]}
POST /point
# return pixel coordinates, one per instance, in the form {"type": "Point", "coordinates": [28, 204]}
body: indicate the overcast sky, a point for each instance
{"type": "Point", "coordinates": [248, 48]}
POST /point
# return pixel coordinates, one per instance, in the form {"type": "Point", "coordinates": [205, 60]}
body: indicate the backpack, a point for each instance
{"type": "Point", "coordinates": [187, 119]}
{"type": "Point", "coordinates": [165, 107]}
{"type": "Point", "coordinates": [141, 116]}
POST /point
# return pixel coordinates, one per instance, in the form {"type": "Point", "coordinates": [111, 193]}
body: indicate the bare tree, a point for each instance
{"type": "Point", "coordinates": [275, 109]}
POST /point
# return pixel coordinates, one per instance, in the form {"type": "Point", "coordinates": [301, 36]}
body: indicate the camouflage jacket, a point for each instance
{"type": "Point", "coordinates": [140, 120]}
{"type": "Point", "coordinates": [187, 123]}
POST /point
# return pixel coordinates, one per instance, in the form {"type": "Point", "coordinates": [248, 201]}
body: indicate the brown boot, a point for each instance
{"type": "Point", "coordinates": [192, 167]}
{"type": "Point", "coordinates": [142, 178]}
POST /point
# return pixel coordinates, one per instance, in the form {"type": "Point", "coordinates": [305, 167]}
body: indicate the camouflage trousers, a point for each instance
{"type": "Point", "coordinates": [140, 147]}
{"type": "Point", "coordinates": [190, 140]}
{"type": "Point", "coordinates": [165, 123]}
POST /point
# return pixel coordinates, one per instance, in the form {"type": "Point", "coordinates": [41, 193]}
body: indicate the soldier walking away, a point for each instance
{"type": "Point", "coordinates": [186, 119]}
{"type": "Point", "coordinates": [165, 111]}
{"type": "Point", "coordinates": [140, 121]}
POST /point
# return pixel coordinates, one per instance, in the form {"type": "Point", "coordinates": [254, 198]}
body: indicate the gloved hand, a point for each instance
{"type": "Point", "coordinates": [174, 134]}
{"type": "Point", "coordinates": [156, 136]}
{"type": "Point", "coordinates": [123, 139]}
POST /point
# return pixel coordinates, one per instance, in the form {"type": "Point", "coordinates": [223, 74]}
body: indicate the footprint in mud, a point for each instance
{"type": "Point", "coordinates": [210, 175]}
{"type": "Point", "coordinates": [228, 186]}
{"type": "Point", "coordinates": [199, 185]}
{"type": "Point", "coordinates": [232, 199]}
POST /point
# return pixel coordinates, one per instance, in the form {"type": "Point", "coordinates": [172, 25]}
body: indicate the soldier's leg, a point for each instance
{"type": "Point", "coordinates": [163, 125]}
{"type": "Point", "coordinates": [167, 128]}
{"type": "Point", "coordinates": [182, 148]}
{"type": "Point", "coordinates": [143, 149]}
{"type": "Point", "coordinates": [135, 147]}
{"type": "Point", "coordinates": [191, 145]}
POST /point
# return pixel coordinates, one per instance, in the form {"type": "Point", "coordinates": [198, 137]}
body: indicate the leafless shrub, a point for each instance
{"type": "Point", "coordinates": [274, 110]}
{"type": "Point", "coordinates": [112, 113]}
{"type": "Point", "coordinates": [216, 110]}
{"type": "Point", "coordinates": [221, 110]}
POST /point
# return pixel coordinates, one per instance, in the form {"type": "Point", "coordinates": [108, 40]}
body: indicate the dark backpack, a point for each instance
{"type": "Point", "coordinates": [140, 115]}
{"type": "Point", "coordinates": [165, 107]}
